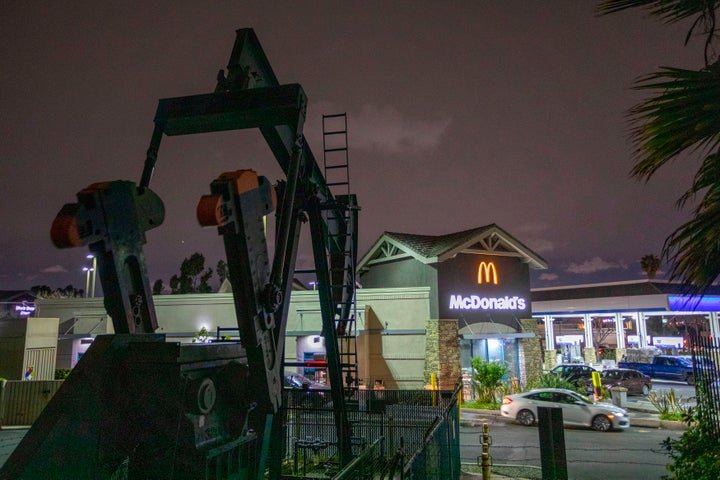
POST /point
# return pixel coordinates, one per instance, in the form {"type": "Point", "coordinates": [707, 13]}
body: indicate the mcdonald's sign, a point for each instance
{"type": "Point", "coordinates": [487, 273]}
{"type": "Point", "coordinates": [473, 286]}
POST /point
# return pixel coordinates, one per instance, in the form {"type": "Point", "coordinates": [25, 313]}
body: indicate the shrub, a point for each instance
{"type": "Point", "coordinates": [696, 455]}
{"type": "Point", "coordinates": [62, 373]}
{"type": "Point", "coordinates": [488, 377]}
{"type": "Point", "coordinates": [550, 380]}
{"type": "Point", "coordinates": [669, 405]}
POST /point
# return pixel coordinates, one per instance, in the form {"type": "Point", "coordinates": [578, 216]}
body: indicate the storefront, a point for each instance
{"type": "Point", "coordinates": [604, 320]}
{"type": "Point", "coordinates": [478, 278]}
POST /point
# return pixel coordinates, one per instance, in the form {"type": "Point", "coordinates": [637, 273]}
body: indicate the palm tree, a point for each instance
{"type": "Point", "coordinates": [650, 265]}
{"type": "Point", "coordinates": [683, 117]}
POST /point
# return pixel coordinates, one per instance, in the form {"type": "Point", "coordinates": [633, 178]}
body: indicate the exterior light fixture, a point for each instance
{"type": "Point", "coordinates": [94, 273]}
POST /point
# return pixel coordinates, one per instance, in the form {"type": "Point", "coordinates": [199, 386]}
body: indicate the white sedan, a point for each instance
{"type": "Point", "coordinates": [577, 409]}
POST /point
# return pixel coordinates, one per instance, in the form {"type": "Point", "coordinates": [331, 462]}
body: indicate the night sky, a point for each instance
{"type": "Point", "coordinates": [461, 114]}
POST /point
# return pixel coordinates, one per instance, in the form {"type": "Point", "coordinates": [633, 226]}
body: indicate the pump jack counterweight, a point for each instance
{"type": "Point", "coordinates": [138, 407]}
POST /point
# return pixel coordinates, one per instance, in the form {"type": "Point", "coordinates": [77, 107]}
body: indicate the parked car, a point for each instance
{"type": "Point", "coordinates": [298, 381]}
{"type": "Point", "coordinates": [308, 393]}
{"type": "Point", "coordinates": [636, 382]}
{"type": "Point", "coordinates": [575, 373]}
{"type": "Point", "coordinates": [578, 410]}
{"type": "Point", "coordinates": [665, 367]}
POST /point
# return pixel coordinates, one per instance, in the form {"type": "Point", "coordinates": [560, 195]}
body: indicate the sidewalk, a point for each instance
{"type": "Point", "coordinates": [10, 437]}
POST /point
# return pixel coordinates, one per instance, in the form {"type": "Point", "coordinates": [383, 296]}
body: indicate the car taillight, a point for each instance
{"type": "Point", "coordinates": [507, 400]}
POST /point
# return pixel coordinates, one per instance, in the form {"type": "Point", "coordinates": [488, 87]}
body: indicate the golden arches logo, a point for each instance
{"type": "Point", "coordinates": [487, 273]}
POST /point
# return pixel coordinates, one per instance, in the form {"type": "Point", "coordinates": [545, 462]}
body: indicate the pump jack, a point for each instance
{"type": "Point", "coordinates": [138, 407]}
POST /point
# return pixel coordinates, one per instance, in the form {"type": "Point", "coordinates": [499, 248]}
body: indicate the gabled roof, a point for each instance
{"type": "Point", "coordinates": [489, 240]}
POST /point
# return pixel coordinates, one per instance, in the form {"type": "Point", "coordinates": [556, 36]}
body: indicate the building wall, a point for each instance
{"type": "Point", "coordinates": [390, 323]}
{"type": "Point", "coordinates": [404, 273]}
{"type": "Point", "coordinates": [12, 347]}
{"type": "Point", "coordinates": [28, 342]}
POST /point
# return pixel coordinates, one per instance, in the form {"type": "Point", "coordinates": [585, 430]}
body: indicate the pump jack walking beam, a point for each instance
{"type": "Point", "coordinates": [248, 97]}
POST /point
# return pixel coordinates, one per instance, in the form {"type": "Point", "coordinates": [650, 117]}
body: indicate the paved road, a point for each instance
{"type": "Point", "coordinates": [9, 438]}
{"type": "Point", "coordinates": [681, 389]}
{"type": "Point", "coordinates": [634, 453]}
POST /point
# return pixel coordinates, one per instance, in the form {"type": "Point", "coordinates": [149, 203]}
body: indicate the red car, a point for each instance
{"type": "Point", "coordinates": [636, 382]}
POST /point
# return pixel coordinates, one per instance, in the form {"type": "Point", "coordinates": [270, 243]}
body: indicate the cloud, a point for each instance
{"type": "Point", "coordinates": [388, 130]}
{"type": "Point", "coordinates": [595, 264]}
{"type": "Point", "coordinates": [55, 269]}
{"type": "Point", "coordinates": [540, 245]}
{"type": "Point", "coordinates": [549, 277]}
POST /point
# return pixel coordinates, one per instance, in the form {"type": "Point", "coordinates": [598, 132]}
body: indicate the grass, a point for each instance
{"type": "Point", "coordinates": [481, 405]}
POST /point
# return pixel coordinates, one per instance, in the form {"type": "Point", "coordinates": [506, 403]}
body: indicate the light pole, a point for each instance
{"type": "Point", "coordinates": [94, 273]}
{"type": "Point", "coordinates": [87, 271]}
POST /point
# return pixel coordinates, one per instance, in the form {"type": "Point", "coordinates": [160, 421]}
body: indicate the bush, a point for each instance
{"type": "Point", "coordinates": [62, 373]}
{"type": "Point", "coordinates": [696, 455]}
{"type": "Point", "coordinates": [550, 380]}
{"type": "Point", "coordinates": [488, 378]}
{"type": "Point", "coordinates": [669, 405]}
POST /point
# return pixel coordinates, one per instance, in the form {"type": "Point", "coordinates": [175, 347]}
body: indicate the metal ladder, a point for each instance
{"type": "Point", "coordinates": [343, 261]}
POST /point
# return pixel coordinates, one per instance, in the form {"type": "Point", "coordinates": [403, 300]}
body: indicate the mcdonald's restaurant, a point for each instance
{"type": "Point", "coordinates": [479, 299]}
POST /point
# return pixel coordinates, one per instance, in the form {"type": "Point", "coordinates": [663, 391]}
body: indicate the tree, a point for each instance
{"type": "Point", "coordinates": [222, 270]}
{"type": "Point", "coordinates": [193, 277]}
{"type": "Point", "coordinates": [43, 291]}
{"type": "Point", "coordinates": [601, 330]}
{"type": "Point", "coordinates": [650, 265]}
{"type": "Point", "coordinates": [158, 287]}
{"type": "Point", "coordinates": [683, 117]}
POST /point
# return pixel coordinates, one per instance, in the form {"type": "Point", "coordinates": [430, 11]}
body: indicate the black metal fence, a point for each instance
{"type": "Point", "coordinates": [706, 365]}
{"type": "Point", "coordinates": [396, 433]}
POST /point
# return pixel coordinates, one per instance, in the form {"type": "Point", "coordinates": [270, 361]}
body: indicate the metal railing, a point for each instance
{"type": "Point", "coordinates": [706, 368]}
{"type": "Point", "coordinates": [397, 433]}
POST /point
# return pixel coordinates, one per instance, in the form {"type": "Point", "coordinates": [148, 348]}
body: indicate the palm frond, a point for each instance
{"type": "Point", "coordinates": [668, 11]}
{"type": "Point", "coordinates": [707, 178]}
{"type": "Point", "coordinates": [694, 249]}
{"type": "Point", "coordinates": [684, 115]}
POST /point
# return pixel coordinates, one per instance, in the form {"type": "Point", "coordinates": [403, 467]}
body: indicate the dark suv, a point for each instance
{"type": "Point", "coordinates": [575, 373]}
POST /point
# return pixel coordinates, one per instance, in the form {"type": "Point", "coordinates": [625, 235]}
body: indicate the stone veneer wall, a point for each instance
{"type": "Point", "coordinates": [432, 349]}
{"type": "Point", "coordinates": [589, 355]}
{"type": "Point", "coordinates": [442, 352]}
{"type": "Point", "coordinates": [531, 354]}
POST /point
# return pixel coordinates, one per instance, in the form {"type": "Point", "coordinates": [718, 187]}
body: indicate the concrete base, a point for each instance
{"type": "Point", "coordinates": [550, 359]}
{"type": "Point", "coordinates": [619, 354]}
{"type": "Point", "coordinates": [589, 355]}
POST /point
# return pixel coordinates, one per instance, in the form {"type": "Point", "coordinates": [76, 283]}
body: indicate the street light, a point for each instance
{"type": "Point", "coordinates": [94, 273]}
{"type": "Point", "coordinates": [87, 271]}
